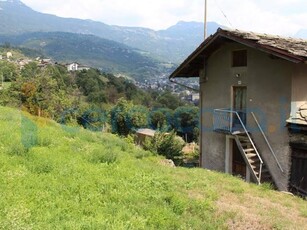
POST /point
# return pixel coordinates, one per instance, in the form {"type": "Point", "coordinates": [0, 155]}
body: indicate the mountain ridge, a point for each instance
{"type": "Point", "coordinates": [171, 45]}
{"type": "Point", "coordinates": [106, 55]}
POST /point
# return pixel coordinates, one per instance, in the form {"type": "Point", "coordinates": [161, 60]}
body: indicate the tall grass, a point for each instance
{"type": "Point", "coordinates": [54, 177]}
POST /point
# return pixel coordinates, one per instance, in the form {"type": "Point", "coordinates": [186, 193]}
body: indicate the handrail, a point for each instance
{"type": "Point", "coordinates": [243, 126]}
{"type": "Point", "coordinates": [249, 137]}
{"type": "Point", "coordinates": [267, 141]}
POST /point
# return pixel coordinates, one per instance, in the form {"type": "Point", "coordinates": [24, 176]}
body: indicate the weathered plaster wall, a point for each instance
{"type": "Point", "coordinates": [268, 84]}
{"type": "Point", "coordinates": [299, 95]}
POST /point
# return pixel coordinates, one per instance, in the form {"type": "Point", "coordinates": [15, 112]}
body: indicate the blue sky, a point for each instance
{"type": "Point", "coordinates": [284, 17]}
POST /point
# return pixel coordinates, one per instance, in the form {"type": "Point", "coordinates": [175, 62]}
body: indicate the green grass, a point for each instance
{"type": "Point", "coordinates": [54, 177]}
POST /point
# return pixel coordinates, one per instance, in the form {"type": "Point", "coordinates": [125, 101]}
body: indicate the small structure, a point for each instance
{"type": "Point", "coordinates": [253, 106]}
{"type": "Point", "coordinates": [72, 66]}
{"type": "Point", "coordinates": [142, 134]}
{"type": "Point", "coordinates": [9, 55]}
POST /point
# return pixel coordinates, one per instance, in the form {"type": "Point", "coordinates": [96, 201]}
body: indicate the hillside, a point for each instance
{"type": "Point", "coordinates": [91, 50]}
{"type": "Point", "coordinates": [57, 177]}
{"type": "Point", "coordinates": [171, 45]}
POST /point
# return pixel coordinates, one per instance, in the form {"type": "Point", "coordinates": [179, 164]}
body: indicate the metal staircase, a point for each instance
{"type": "Point", "coordinates": [224, 122]}
{"type": "Point", "coordinates": [258, 169]}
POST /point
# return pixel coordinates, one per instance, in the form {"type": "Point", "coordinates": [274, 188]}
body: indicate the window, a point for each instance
{"type": "Point", "coordinates": [239, 58]}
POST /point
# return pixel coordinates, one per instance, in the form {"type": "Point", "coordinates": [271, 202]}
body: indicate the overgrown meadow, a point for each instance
{"type": "Point", "coordinates": [58, 177]}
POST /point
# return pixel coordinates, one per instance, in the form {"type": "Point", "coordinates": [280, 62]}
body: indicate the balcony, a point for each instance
{"type": "Point", "coordinates": [229, 121]}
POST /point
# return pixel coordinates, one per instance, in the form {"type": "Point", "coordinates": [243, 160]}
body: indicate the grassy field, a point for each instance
{"type": "Point", "coordinates": [56, 177]}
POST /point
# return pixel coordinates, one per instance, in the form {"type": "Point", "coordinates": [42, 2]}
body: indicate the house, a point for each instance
{"type": "Point", "coordinates": [72, 66]}
{"type": "Point", "coordinates": [9, 55]}
{"type": "Point", "coordinates": [253, 98]}
{"type": "Point", "coordinates": [75, 66]}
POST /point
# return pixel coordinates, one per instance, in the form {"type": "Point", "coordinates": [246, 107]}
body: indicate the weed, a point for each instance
{"type": "Point", "coordinates": [99, 156]}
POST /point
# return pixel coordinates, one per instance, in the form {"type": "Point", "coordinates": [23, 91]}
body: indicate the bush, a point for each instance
{"type": "Point", "coordinates": [168, 145]}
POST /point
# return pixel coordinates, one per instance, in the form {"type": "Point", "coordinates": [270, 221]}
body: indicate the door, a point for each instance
{"type": "Point", "coordinates": [238, 163]}
{"type": "Point", "coordinates": [298, 178]}
{"type": "Point", "coordinates": [239, 105]}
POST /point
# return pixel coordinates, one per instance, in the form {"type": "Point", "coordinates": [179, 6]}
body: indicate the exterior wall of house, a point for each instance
{"type": "Point", "coordinates": [268, 83]}
{"type": "Point", "coordinates": [299, 95]}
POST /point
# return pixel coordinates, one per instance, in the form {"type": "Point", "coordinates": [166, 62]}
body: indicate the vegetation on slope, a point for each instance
{"type": "Point", "coordinates": [57, 177]}
{"type": "Point", "coordinates": [94, 100]}
{"type": "Point", "coordinates": [108, 55]}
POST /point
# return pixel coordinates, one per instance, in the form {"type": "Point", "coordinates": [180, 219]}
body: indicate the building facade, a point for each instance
{"type": "Point", "coordinates": [253, 98]}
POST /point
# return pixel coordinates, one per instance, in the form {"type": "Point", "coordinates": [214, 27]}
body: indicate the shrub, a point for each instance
{"type": "Point", "coordinates": [168, 145]}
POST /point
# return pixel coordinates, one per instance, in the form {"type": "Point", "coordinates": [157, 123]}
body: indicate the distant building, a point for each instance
{"type": "Point", "coordinates": [195, 97]}
{"type": "Point", "coordinates": [9, 55]}
{"type": "Point", "coordinates": [72, 66]}
{"type": "Point", "coordinates": [83, 67]}
{"type": "Point", "coordinates": [21, 63]}
{"type": "Point", "coordinates": [75, 66]}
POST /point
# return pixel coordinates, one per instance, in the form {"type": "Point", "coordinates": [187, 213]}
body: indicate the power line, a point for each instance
{"type": "Point", "coordinates": [225, 16]}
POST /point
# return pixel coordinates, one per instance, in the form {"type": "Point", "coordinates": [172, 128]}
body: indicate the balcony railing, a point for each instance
{"type": "Point", "coordinates": [228, 121]}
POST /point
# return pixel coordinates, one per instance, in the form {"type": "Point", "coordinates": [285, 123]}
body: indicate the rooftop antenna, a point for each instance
{"type": "Point", "coordinates": [205, 15]}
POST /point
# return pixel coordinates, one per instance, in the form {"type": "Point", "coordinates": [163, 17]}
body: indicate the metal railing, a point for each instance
{"type": "Point", "coordinates": [267, 141]}
{"type": "Point", "coordinates": [223, 120]}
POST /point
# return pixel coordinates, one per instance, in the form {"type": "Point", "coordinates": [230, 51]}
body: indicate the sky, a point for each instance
{"type": "Point", "coordinates": [284, 17]}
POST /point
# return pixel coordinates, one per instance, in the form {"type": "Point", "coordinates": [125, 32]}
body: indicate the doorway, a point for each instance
{"type": "Point", "coordinates": [239, 105]}
{"type": "Point", "coordinates": [298, 177]}
{"type": "Point", "coordinates": [238, 163]}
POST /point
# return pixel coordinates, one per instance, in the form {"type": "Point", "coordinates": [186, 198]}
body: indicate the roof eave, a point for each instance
{"type": "Point", "coordinates": [224, 33]}
{"type": "Point", "coordinates": [192, 56]}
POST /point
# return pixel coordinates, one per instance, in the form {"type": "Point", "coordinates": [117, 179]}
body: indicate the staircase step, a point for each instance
{"type": "Point", "coordinates": [243, 138]}
{"type": "Point", "coordinates": [253, 161]}
{"type": "Point", "coordinates": [249, 150]}
{"type": "Point", "coordinates": [251, 155]}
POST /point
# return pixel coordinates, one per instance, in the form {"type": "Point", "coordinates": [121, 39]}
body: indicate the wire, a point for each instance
{"type": "Point", "coordinates": [225, 16]}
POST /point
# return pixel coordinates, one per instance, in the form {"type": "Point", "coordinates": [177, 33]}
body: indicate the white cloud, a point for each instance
{"type": "Point", "coordinates": [284, 17]}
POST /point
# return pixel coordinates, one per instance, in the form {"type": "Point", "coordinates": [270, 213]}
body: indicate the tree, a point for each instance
{"type": "Point", "coordinates": [127, 117]}
{"type": "Point", "coordinates": [161, 119]}
{"type": "Point", "coordinates": [186, 121]}
{"type": "Point", "coordinates": [168, 100]}
{"type": "Point", "coordinates": [94, 118]}
{"type": "Point", "coordinates": [8, 70]}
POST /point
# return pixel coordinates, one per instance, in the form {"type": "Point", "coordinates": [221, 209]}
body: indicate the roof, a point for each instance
{"type": "Point", "coordinates": [147, 132]}
{"type": "Point", "coordinates": [291, 49]}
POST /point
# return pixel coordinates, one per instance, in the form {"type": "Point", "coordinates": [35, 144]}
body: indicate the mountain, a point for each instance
{"type": "Point", "coordinates": [171, 45]}
{"type": "Point", "coordinates": [301, 34]}
{"type": "Point", "coordinates": [110, 56]}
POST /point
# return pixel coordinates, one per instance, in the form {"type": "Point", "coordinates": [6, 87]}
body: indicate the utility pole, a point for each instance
{"type": "Point", "coordinates": [205, 17]}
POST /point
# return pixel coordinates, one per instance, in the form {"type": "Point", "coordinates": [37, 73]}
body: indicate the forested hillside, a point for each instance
{"type": "Point", "coordinates": [107, 55]}
{"type": "Point", "coordinates": [93, 99]}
